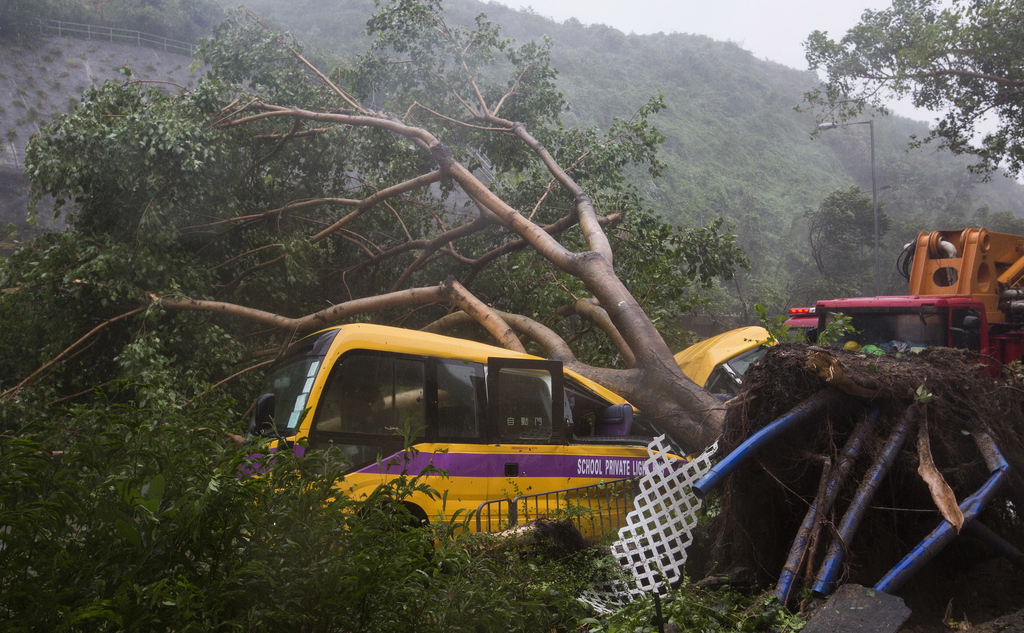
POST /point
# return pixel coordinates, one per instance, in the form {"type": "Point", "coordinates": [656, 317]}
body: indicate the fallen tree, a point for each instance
{"type": "Point", "coordinates": [429, 180]}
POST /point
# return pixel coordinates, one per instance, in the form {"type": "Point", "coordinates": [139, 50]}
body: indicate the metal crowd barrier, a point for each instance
{"type": "Point", "coordinates": [596, 510]}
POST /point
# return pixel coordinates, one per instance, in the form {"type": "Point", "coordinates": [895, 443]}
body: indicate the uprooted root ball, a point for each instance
{"type": "Point", "coordinates": [762, 504]}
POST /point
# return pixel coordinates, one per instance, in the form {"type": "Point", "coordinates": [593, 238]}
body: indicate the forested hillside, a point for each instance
{"type": "Point", "coordinates": [736, 145]}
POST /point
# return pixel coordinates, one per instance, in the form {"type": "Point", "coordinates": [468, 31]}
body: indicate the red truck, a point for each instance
{"type": "Point", "coordinates": [965, 291]}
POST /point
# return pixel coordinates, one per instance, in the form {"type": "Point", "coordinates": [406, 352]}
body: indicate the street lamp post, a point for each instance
{"type": "Point", "coordinates": [874, 191]}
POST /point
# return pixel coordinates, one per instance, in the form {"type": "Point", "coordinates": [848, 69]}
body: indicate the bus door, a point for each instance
{"type": "Point", "coordinates": [525, 400]}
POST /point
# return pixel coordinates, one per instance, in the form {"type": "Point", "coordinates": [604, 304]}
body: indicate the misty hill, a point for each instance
{"type": "Point", "coordinates": [43, 77]}
{"type": "Point", "coordinates": [735, 145]}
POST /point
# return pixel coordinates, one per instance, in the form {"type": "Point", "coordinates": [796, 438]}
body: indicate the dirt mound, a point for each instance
{"type": "Point", "coordinates": [950, 405]}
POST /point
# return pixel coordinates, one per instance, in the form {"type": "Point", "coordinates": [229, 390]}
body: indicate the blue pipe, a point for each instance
{"type": "Point", "coordinates": [830, 569]}
{"type": "Point", "coordinates": [755, 442]}
{"type": "Point", "coordinates": [822, 504]}
{"type": "Point", "coordinates": [946, 532]}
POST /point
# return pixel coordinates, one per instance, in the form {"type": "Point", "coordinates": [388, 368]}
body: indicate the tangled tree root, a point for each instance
{"type": "Point", "coordinates": [763, 503]}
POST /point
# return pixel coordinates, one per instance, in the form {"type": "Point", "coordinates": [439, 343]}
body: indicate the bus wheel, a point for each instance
{"type": "Point", "coordinates": [419, 517]}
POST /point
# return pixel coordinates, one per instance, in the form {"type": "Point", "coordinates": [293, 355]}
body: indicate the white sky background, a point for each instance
{"type": "Point", "coordinates": [771, 29]}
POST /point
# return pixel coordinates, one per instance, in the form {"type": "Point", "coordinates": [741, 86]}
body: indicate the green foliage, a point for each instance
{"type": "Point", "coordinates": [960, 60]}
{"type": "Point", "coordinates": [922, 395]}
{"type": "Point", "coordinates": [694, 609]}
{"type": "Point", "coordinates": [1014, 370]}
{"type": "Point", "coordinates": [842, 237]}
{"type": "Point", "coordinates": [778, 331]}
{"type": "Point", "coordinates": [137, 519]}
{"type": "Point", "coordinates": [838, 327]}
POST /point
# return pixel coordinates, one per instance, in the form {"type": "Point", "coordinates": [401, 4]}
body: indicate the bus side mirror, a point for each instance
{"type": "Point", "coordinates": [263, 418]}
{"type": "Point", "coordinates": [614, 420]}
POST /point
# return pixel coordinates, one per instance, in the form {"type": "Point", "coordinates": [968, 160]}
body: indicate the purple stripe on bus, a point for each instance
{"type": "Point", "coordinates": [493, 465]}
{"type": "Point", "coordinates": [249, 467]}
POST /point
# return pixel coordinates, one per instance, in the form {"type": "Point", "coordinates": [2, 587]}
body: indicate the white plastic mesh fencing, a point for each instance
{"type": "Point", "coordinates": [652, 546]}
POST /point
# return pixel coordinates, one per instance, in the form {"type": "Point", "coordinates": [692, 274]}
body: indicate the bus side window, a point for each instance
{"type": "Point", "coordinates": [459, 399]}
{"type": "Point", "coordinates": [406, 402]}
{"type": "Point", "coordinates": [372, 395]}
{"type": "Point", "coordinates": [583, 411]}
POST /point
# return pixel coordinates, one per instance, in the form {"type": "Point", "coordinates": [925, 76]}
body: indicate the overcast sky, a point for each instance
{"type": "Point", "coordinates": [772, 29]}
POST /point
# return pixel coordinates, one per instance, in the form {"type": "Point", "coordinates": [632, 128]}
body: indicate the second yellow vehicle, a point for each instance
{"type": "Point", "coordinates": [719, 363]}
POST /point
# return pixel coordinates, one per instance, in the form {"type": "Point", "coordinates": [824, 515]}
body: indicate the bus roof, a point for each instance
{"type": "Point", "coordinates": [698, 360]}
{"type": "Point", "coordinates": [404, 341]}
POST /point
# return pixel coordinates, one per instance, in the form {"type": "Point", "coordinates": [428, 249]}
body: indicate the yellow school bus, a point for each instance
{"type": "Point", "coordinates": [498, 424]}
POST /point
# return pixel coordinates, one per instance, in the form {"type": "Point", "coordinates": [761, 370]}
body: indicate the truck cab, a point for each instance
{"type": "Point", "coordinates": [965, 291]}
{"type": "Point", "coordinates": [907, 324]}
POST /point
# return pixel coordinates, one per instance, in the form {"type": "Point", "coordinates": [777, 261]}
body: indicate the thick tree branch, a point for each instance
{"type": "Point", "coordinates": [596, 315]}
{"type": "Point", "coordinates": [592, 232]}
{"type": "Point", "coordinates": [483, 314]}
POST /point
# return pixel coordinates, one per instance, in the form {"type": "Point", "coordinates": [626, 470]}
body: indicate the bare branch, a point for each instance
{"type": "Point", "coordinates": [417, 104]}
{"type": "Point", "coordinates": [313, 68]}
{"type": "Point", "coordinates": [429, 248]}
{"type": "Point", "coordinates": [323, 318]}
{"type": "Point", "coordinates": [395, 190]}
{"type": "Point", "coordinates": [99, 328]}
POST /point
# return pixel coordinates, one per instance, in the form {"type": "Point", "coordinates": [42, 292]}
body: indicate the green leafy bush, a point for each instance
{"type": "Point", "coordinates": [121, 518]}
{"type": "Point", "coordinates": [694, 609]}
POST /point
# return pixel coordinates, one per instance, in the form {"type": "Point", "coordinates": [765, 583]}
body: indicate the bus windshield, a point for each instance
{"type": "Point", "coordinates": [290, 385]}
{"type": "Point", "coordinates": [895, 330]}
{"type": "Point", "coordinates": [291, 380]}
